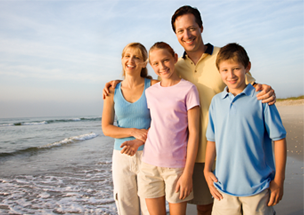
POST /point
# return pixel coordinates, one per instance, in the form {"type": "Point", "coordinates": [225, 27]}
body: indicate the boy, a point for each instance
{"type": "Point", "coordinates": [240, 132]}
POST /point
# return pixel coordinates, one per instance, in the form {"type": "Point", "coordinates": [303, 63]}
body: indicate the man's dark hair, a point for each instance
{"type": "Point", "coordinates": [187, 10]}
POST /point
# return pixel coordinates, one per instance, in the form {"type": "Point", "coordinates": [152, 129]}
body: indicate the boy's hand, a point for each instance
{"type": "Point", "coordinates": [267, 94]}
{"type": "Point", "coordinates": [210, 179]}
{"type": "Point", "coordinates": [276, 193]}
{"type": "Point", "coordinates": [184, 185]}
{"type": "Point", "coordinates": [106, 91]}
{"type": "Point", "coordinates": [130, 147]}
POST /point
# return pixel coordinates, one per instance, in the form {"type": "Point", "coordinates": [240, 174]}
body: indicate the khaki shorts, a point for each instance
{"type": "Point", "coordinates": [201, 193]}
{"type": "Point", "coordinates": [233, 205]}
{"type": "Point", "coordinates": [155, 182]}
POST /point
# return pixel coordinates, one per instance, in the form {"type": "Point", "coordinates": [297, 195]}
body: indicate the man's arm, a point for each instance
{"type": "Point", "coordinates": [108, 85]}
{"type": "Point", "coordinates": [277, 184]}
{"type": "Point", "coordinates": [209, 176]}
{"type": "Point", "coordinates": [184, 183]}
{"type": "Point", "coordinates": [267, 94]}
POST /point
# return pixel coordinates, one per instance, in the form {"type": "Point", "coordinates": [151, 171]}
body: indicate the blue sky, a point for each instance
{"type": "Point", "coordinates": [56, 56]}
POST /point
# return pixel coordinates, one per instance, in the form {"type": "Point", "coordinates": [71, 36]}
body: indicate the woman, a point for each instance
{"type": "Point", "coordinates": [128, 103]}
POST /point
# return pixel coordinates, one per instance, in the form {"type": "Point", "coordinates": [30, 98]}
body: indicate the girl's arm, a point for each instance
{"type": "Point", "coordinates": [184, 183]}
{"type": "Point", "coordinates": [111, 130]}
{"type": "Point", "coordinates": [277, 184]}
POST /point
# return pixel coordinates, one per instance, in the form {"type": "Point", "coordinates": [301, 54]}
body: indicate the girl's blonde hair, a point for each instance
{"type": "Point", "coordinates": [162, 45]}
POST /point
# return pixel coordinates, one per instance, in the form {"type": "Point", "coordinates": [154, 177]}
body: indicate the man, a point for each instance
{"type": "Point", "coordinates": [197, 65]}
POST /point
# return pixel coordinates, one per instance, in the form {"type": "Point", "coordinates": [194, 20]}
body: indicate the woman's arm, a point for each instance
{"type": "Point", "coordinates": [184, 183]}
{"type": "Point", "coordinates": [111, 130]}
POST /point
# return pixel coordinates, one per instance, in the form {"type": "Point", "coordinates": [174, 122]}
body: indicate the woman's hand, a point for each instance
{"type": "Point", "coordinates": [130, 147]}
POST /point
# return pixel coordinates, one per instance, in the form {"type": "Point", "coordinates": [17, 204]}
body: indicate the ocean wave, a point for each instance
{"type": "Point", "coordinates": [63, 142]}
{"type": "Point", "coordinates": [50, 121]}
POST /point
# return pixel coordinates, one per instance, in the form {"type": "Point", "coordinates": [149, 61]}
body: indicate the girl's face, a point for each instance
{"type": "Point", "coordinates": [162, 62]}
{"type": "Point", "coordinates": [132, 62]}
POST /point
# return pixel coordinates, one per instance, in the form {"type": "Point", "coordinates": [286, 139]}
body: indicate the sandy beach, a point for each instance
{"type": "Point", "coordinates": [292, 112]}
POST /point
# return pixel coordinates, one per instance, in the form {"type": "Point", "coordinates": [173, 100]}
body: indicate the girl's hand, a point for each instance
{"type": "Point", "coordinates": [210, 179]}
{"type": "Point", "coordinates": [140, 134]}
{"type": "Point", "coordinates": [184, 186]}
{"type": "Point", "coordinates": [130, 147]}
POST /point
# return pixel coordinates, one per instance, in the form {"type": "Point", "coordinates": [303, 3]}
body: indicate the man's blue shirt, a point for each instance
{"type": "Point", "coordinates": [243, 128]}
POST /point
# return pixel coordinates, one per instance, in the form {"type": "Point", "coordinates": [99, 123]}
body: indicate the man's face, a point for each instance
{"type": "Point", "coordinates": [188, 33]}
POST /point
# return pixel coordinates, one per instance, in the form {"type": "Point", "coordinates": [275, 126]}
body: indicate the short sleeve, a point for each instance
{"type": "Point", "coordinates": [192, 98]}
{"type": "Point", "coordinates": [210, 133]}
{"type": "Point", "coordinates": [273, 122]}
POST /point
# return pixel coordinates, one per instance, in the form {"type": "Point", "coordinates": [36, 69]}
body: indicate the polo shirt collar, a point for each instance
{"type": "Point", "coordinates": [209, 50]}
{"type": "Point", "coordinates": [248, 91]}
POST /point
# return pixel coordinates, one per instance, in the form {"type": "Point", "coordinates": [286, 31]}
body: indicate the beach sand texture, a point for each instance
{"type": "Point", "coordinates": [292, 112]}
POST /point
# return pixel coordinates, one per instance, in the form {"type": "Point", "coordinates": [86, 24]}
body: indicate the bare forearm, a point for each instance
{"type": "Point", "coordinates": [117, 132]}
{"type": "Point", "coordinates": [210, 156]}
{"type": "Point", "coordinates": [280, 159]}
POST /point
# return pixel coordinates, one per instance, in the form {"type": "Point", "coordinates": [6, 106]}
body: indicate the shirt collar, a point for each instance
{"type": "Point", "coordinates": [248, 91]}
{"type": "Point", "coordinates": [209, 50]}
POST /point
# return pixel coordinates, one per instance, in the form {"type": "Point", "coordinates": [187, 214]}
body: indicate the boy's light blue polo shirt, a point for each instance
{"type": "Point", "coordinates": [243, 128]}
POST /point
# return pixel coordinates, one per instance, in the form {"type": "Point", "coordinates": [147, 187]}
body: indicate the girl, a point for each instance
{"type": "Point", "coordinates": [171, 146]}
{"type": "Point", "coordinates": [128, 103]}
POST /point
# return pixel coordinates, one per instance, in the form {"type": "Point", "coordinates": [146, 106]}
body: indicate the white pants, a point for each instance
{"type": "Point", "coordinates": [125, 169]}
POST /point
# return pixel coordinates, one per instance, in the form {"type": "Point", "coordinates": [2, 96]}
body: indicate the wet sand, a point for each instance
{"type": "Point", "coordinates": [292, 113]}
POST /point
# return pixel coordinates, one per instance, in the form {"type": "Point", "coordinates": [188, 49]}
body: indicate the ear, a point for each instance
{"type": "Point", "coordinates": [248, 67]}
{"type": "Point", "coordinates": [175, 57]}
{"type": "Point", "coordinates": [145, 64]}
{"type": "Point", "coordinates": [202, 29]}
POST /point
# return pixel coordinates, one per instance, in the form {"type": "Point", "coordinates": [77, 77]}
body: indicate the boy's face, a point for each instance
{"type": "Point", "coordinates": [233, 75]}
{"type": "Point", "coordinates": [188, 32]}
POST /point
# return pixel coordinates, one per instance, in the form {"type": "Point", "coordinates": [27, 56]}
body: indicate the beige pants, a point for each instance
{"type": "Point", "coordinates": [248, 205]}
{"type": "Point", "coordinates": [124, 171]}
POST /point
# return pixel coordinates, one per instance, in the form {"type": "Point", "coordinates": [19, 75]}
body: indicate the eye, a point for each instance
{"type": "Point", "coordinates": [179, 31]}
{"type": "Point", "coordinates": [192, 29]}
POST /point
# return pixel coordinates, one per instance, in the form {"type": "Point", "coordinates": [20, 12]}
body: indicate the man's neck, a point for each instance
{"type": "Point", "coordinates": [196, 55]}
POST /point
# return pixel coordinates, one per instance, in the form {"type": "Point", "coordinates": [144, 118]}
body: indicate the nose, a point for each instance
{"type": "Point", "coordinates": [231, 73]}
{"type": "Point", "coordinates": [162, 65]}
{"type": "Point", "coordinates": [187, 33]}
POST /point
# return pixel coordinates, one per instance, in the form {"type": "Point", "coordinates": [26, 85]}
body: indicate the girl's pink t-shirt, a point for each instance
{"type": "Point", "coordinates": [166, 144]}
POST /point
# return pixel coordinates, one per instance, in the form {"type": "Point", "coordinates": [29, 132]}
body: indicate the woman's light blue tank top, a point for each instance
{"type": "Point", "coordinates": [131, 115]}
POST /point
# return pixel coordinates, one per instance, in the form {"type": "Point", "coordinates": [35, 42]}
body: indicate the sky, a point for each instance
{"type": "Point", "coordinates": [56, 56]}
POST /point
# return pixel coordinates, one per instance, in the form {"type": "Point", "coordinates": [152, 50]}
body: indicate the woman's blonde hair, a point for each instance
{"type": "Point", "coordinates": [144, 54]}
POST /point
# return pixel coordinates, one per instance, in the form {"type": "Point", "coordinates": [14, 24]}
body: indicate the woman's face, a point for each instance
{"type": "Point", "coordinates": [132, 62]}
{"type": "Point", "coordinates": [162, 62]}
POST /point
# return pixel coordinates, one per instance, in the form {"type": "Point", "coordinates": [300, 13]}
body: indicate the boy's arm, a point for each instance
{"type": "Point", "coordinates": [209, 176]}
{"type": "Point", "coordinates": [184, 183]}
{"type": "Point", "coordinates": [277, 184]}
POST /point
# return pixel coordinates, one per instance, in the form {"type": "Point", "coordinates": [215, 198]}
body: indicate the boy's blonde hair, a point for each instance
{"type": "Point", "coordinates": [234, 52]}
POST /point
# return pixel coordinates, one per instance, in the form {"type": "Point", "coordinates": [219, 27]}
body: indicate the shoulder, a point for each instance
{"type": "Point", "coordinates": [153, 81]}
{"type": "Point", "coordinates": [188, 84]}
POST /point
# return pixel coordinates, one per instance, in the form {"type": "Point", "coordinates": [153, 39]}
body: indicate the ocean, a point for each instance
{"type": "Point", "coordinates": [55, 165]}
